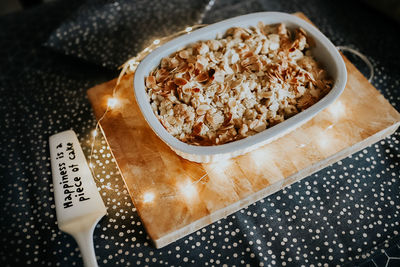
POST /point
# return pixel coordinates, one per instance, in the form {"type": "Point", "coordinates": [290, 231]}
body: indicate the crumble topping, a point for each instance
{"type": "Point", "coordinates": [239, 84]}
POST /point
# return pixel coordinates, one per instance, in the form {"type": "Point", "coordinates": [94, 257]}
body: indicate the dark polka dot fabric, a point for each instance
{"type": "Point", "coordinates": [109, 32]}
{"type": "Point", "coordinates": [345, 215]}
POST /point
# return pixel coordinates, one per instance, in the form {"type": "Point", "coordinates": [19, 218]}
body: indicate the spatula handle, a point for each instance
{"type": "Point", "coordinates": [85, 243]}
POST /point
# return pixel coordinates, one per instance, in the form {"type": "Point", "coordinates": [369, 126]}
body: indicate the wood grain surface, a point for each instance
{"type": "Point", "coordinates": [175, 197]}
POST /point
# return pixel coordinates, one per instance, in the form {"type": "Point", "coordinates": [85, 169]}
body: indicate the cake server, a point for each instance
{"type": "Point", "coordinates": [79, 206]}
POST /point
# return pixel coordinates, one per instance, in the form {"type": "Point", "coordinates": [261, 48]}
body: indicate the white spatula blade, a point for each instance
{"type": "Point", "coordinates": [78, 203]}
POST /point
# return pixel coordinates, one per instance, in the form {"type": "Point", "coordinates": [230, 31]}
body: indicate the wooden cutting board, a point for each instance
{"type": "Point", "coordinates": [175, 197]}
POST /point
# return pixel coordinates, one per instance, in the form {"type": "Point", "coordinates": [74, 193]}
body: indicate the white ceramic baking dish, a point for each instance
{"type": "Point", "coordinates": [324, 52]}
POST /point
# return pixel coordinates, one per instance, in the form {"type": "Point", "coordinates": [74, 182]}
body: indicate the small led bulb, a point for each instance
{"type": "Point", "coordinates": [148, 197]}
{"type": "Point", "coordinates": [188, 190]}
{"type": "Point", "coordinates": [112, 102]}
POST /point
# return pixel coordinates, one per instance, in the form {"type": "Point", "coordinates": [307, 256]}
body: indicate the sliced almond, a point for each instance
{"type": "Point", "coordinates": [150, 81]}
{"type": "Point", "coordinates": [199, 66]}
{"type": "Point", "coordinates": [180, 81]}
{"type": "Point", "coordinates": [232, 103]}
{"type": "Point", "coordinates": [202, 77]}
{"type": "Point", "coordinates": [184, 54]}
{"type": "Point", "coordinates": [202, 109]}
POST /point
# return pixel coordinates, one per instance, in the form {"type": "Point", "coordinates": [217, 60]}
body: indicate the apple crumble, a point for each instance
{"type": "Point", "coordinates": [239, 84]}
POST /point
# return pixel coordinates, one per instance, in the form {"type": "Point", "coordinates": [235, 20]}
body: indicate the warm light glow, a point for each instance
{"type": "Point", "coordinates": [188, 190]}
{"type": "Point", "coordinates": [260, 157]}
{"type": "Point", "coordinates": [337, 109]}
{"type": "Point", "coordinates": [324, 140]}
{"type": "Point", "coordinates": [221, 165]}
{"type": "Point", "coordinates": [132, 64]}
{"type": "Point", "coordinates": [156, 41]}
{"type": "Point", "coordinates": [148, 197]}
{"type": "Point", "coordinates": [112, 102]}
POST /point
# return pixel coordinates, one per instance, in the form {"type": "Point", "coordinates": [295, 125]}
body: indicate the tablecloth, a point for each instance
{"type": "Point", "coordinates": [346, 214]}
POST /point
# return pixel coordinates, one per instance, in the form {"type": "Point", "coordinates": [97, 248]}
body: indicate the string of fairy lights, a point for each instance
{"type": "Point", "coordinates": [127, 68]}
{"type": "Point", "coordinates": [188, 189]}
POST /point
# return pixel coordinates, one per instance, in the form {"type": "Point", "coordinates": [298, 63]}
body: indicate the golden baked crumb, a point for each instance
{"type": "Point", "coordinates": [217, 91]}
